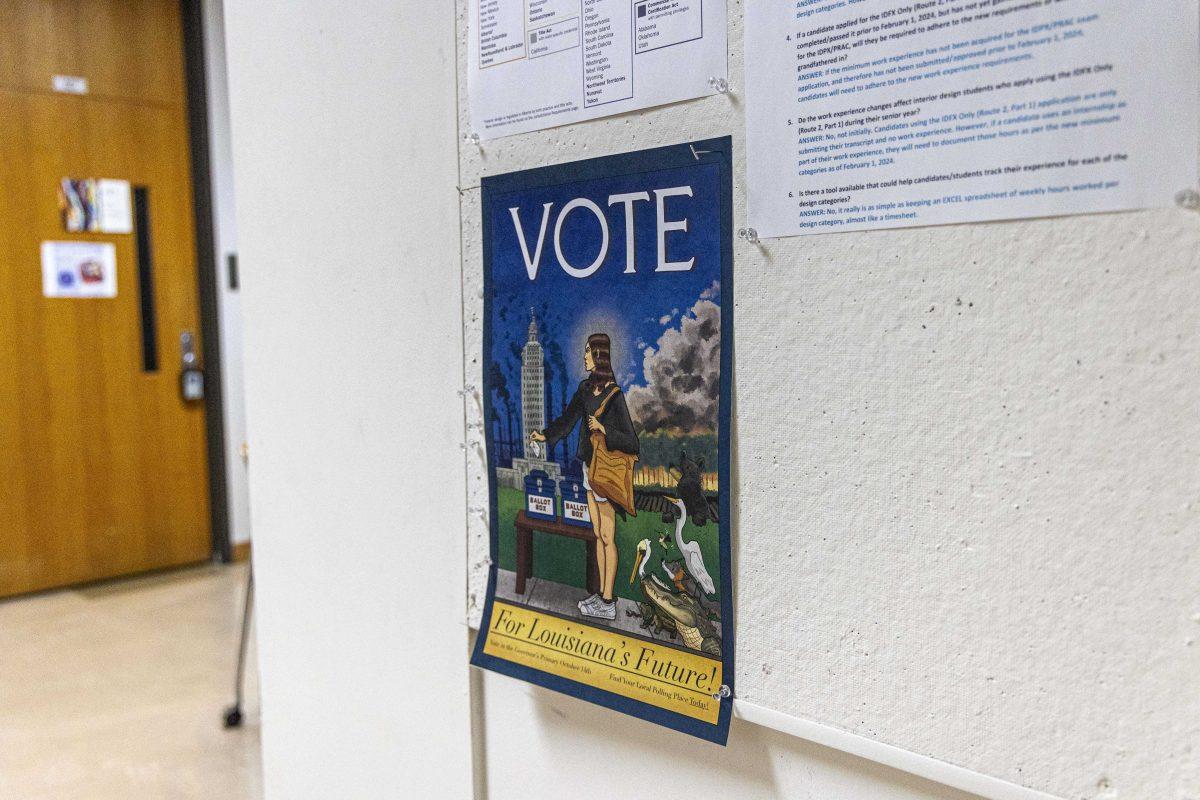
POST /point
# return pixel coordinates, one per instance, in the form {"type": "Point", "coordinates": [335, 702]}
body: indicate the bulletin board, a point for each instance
{"type": "Point", "coordinates": [965, 473]}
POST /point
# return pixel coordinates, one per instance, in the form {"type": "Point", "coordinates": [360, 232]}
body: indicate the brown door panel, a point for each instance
{"type": "Point", "coordinates": [126, 49]}
{"type": "Point", "coordinates": [103, 469]}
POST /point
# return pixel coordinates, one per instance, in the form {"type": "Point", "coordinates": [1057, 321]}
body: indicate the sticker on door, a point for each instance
{"type": "Point", "coordinates": [79, 269]}
{"type": "Point", "coordinates": [92, 205]}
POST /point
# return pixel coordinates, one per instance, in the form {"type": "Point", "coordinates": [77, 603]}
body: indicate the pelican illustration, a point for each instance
{"type": "Point", "coordinates": [675, 613]}
{"type": "Point", "coordinates": [692, 558]}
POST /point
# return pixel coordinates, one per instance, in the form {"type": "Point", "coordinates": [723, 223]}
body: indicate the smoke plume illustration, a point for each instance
{"type": "Point", "coordinates": [682, 372]}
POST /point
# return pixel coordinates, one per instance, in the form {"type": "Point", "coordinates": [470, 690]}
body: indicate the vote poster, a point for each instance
{"type": "Point", "coordinates": [608, 344]}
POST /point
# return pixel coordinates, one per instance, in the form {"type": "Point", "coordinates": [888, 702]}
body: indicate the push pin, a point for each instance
{"type": "Point", "coordinates": [471, 138]}
{"type": "Point", "coordinates": [1189, 199]}
{"type": "Point", "coordinates": [749, 234]}
{"type": "Point", "coordinates": [724, 693]}
{"type": "Point", "coordinates": [719, 85]}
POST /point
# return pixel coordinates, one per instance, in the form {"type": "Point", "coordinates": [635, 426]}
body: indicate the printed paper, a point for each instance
{"type": "Point", "coordinates": [95, 206]}
{"type": "Point", "coordinates": [79, 269]}
{"type": "Point", "coordinates": [115, 206]}
{"type": "Point", "coordinates": [535, 64]}
{"type": "Point", "coordinates": [69, 84]}
{"type": "Point", "coordinates": [881, 114]}
{"type": "Point", "coordinates": [77, 205]}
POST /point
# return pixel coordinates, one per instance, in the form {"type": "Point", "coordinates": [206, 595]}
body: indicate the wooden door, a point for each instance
{"type": "Point", "coordinates": [102, 462]}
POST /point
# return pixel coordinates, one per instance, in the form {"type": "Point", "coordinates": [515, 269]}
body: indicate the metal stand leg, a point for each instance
{"type": "Point", "coordinates": [233, 715]}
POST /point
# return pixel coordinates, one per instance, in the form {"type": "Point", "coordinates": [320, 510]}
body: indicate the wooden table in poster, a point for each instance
{"type": "Point", "coordinates": [526, 525]}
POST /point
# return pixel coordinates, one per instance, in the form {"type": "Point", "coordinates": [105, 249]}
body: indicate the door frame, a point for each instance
{"type": "Point", "coordinates": [195, 70]}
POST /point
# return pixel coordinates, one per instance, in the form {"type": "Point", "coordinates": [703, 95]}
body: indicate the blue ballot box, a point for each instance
{"type": "Point", "coordinates": [539, 495]}
{"type": "Point", "coordinates": [574, 504]}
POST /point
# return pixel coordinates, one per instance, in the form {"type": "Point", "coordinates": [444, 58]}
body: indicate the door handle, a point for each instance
{"type": "Point", "coordinates": [191, 375]}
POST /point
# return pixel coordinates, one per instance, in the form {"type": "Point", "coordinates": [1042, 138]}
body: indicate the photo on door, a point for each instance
{"type": "Point", "coordinates": [607, 352]}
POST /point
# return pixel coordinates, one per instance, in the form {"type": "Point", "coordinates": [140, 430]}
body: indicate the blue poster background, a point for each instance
{"type": "Point", "coordinates": [653, 318]}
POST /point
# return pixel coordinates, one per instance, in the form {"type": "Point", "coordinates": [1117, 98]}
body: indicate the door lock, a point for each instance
{"type": "Point", "coordinates": [191, 376]}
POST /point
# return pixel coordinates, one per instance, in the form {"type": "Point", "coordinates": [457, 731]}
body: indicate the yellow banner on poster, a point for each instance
{"type": "Point", "coordinates": [677, 680]}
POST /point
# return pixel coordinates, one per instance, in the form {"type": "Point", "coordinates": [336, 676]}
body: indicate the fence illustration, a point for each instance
{"type": "Point", "coordinates": [661, 476]}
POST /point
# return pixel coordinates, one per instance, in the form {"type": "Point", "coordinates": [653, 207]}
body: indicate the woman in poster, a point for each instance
{"type": "Point", "coordinates": [600, 402]}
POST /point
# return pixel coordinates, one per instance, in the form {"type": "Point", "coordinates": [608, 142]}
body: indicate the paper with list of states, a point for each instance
{"type": "Point", "coordinates": [535, 64]}
{"type": "Point", "coordinates": [865, 114]}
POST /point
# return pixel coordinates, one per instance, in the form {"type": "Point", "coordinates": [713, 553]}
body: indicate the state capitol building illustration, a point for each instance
{"type": "Point", "coordinates": [533, 414]}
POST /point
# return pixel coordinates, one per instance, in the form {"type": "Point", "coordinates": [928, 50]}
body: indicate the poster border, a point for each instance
{"type": "Point", "coordinates": [717, 151]}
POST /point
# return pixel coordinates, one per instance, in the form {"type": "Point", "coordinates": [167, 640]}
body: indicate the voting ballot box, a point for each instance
{"type": "Point", "coordinates": [574, 503]}
{"type": "Point", "coordinates": [539, 495]}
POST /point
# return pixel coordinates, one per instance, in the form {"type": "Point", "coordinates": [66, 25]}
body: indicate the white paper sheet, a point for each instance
{"type": "Point", "coordinates": [882, 114]}
{"type": "Point", "coordinates": [79, 269]}
{"type": "Point", "coordinates": [114, 201]}
{"type": "Point", "coordinates": [535, 64]}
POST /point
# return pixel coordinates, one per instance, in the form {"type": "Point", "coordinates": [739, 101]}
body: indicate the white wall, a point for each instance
{"type": "Point", "coordinates": [539, 744]}
{"type": "Point", "coordinates": [976, 540]}
{"type": "Point", "coordinates": [344, 145]}
{"type": "Point", "coordinates": [229, 302]}
{"type": "Point", "coordinates": [965, 474]}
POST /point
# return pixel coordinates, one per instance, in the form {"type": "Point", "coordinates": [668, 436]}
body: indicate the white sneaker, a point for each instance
{"type": "Point", "coordinates": [590, 600]}
{"type": "Point", "coordinates": [601, 610]}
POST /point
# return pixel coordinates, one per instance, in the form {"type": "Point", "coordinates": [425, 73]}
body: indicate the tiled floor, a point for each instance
{"type": "Point", "coordinates": [118, 691]}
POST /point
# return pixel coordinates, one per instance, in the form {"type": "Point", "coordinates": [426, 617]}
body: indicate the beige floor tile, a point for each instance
{"type": "Point", "coordinates": [118, 691]}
